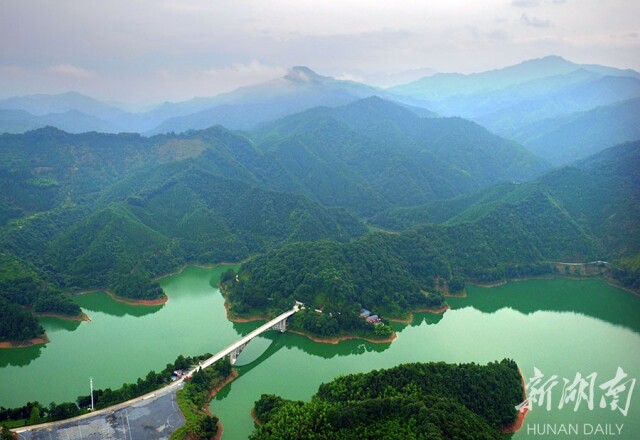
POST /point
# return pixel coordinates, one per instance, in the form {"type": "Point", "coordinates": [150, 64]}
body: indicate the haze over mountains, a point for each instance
{"type": "Point", "coordinates": [544, 104]}
{"type": "Point", "coordinates": [244, 108]}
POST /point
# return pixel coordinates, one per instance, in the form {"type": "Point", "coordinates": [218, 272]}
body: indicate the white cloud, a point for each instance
{"type": "Point", "coordinates": [533, 3]}
{"type": "Point", "coordinates": [525, 3]}
{"type": "Point", "coordinates": [534, 21]}
{"type": "Point", "coordinates": [69, 70]}
{"type": "Point", "coordinates": [254, 70]}
{"type": "Point", "coordinates": [177, 49]}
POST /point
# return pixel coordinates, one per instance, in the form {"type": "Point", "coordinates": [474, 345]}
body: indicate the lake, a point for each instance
{"type": "Point", "coordinates": [562, 327]}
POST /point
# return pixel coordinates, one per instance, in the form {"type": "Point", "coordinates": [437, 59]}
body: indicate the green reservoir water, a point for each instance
{"type": "Point", "coordinates": [562, 327]}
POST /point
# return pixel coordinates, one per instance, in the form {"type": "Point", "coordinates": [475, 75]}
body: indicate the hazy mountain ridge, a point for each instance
{"type": "Point", "coordinates": [514, 99]}
{"type": "Point", "coordinates": [246, 107]}
{"type": "Point", "coordinates": [598, 194]}
{"type": "Point", "coordinates": [300, 89]}
{"type": "Point", "coordinates": [445, 85]}
{"type": "Point", "coordinates": [508, 101]}
{"type": "Point", "coordinates": [579, 135]}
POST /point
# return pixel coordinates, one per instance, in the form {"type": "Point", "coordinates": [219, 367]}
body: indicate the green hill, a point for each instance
{"type": "Point", "coordinates": [598, 195]}
{"type": "Point", "coordinates": [395, 273]}
{"type": "Point", "coordinates": [113, 211]}
{"type": "Point", "coordinates": [421, 401]}
{"type": "Point", "coordinates": [373, 154]}
{"type": "Point", "coordinates": [576, 136]}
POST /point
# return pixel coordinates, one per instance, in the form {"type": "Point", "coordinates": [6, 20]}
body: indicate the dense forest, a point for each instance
{"type": "Point", "coordinates": [104, 211]}
{"type": "Point", "coordinates": [392, 274]}
{"type": "Point", "coordinates": [421, 401]}
{"type": "Point", "coordinates": [114, 211]}
{"type": "Point", "coordinates": [597, 196]}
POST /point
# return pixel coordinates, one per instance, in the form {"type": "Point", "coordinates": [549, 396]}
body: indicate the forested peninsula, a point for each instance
{"type": "Point", "coordinates": [418, 400]}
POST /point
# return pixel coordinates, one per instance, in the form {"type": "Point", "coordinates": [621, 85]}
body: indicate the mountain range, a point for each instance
{"type": "Point", "coordinates": [300, 89]}
{"type": "Point", "coordinates": [80, 211]}
{"type": "Point", "coordinates": [531, 95]}
{"type": "Point", "coordinates": [516, 102]}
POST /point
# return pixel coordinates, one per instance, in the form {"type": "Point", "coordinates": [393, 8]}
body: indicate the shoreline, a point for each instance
{"type": "Point", "coordinates": [338, 339]}
{"type": "Point", "coordinates": [610, 282]}
{"type": "Point", "coordinates": [255, 418]}
{"type": "Point", "coordinates": [26, 343]}
{"type": "Point", "coordinates": [409, 319]}
{"type": "Point", "coordinates": [80, 317]}
{"type": "Point", "coordinates": [181, 269]}
{"type": "Point", "coordinates": [462, 294]}
{"type": "Point", "coordinates": [238, 319]}
{"type": "Point", "coordinates": [133, 302]}
{"type": "Point", "coordinates": [519, 421]}
{"type": "Point", "coordinates": [138, 302]}
{"type": "Point", "coordinates": [230, 378]}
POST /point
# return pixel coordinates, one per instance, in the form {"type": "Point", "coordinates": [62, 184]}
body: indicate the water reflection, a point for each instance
{"type": "Point", "coordinates": [291, 341]}
{"type": "Point", "coordinates": [101, 302]}
{"type": "Point", "coordinates": [349, 347]}
{"type": "Point", "coordinates": [53, 325]}
{"type": "Point", "coordinates": [277, 342]}
{"type": "Point", "coordinates": [419, 319]}
{"type": "Point", "coordinates": [591, 297]}
{"type": "Point", "coordinates": [20, 357]}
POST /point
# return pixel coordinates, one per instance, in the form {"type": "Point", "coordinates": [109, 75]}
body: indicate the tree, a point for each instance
{"type": "Point", "coordinates": [63, 411]}
{"type": "Point", "coordinates": [207, 427]}
{"type": "Point", "coordinates": [383, 330]}
{"type": "Point", "coordinates": [456, 284]}
{"type": "Point", "coordinates": [6, 434]}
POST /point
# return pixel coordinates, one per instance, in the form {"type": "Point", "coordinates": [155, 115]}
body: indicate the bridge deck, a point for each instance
{"type": "Point", "coordinates": [239, 343]}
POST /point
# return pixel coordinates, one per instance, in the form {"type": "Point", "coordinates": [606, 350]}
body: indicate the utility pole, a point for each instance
{"type": "Point", "coordinates": [91, 386]}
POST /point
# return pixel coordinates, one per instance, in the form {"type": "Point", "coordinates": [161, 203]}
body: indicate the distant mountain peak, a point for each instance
{"type": "Point", "coordinates": [553, 58]}
{"type": "Point", "coordinates": [302, 74]}
{"type": "Point", "coordinates": [549, 60]}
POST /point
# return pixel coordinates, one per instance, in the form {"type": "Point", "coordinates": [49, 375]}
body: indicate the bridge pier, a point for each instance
{"type": "Point", "coordinates": [233, 356]}
{"type": "Point", "coordinates": [233, 351]}
{"type": "Point", "coordinates": [280, 326]}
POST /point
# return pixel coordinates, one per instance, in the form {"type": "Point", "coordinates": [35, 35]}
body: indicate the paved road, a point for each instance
{"type": "Point", "coordinates": [156, 417]}
{"type": "Point", "coordinates": [152, 416]}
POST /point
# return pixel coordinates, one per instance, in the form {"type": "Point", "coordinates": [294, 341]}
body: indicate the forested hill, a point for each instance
{"type": "Point", "coordinates": [599, 195]}
{"type": "Point", "coordinates": [418, 401]}
{"type": "Point", "coordinates": [113, 211]}
{"type": "Point", "coordinates": [96, 210]}
{"type": "Point", "coordinates": [367, 156]}
{"type": "Point", "coordinates": [394, 273]}
{"type": "Point", "coordinates": [374, 154]}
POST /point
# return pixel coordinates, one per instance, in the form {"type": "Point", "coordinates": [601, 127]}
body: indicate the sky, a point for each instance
{"type": "Point", "coordinates": [148, 51]}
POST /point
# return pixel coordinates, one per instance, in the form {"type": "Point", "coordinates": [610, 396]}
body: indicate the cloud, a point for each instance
{"type": "Point", "coordinates": [346, 76]}
{"type": "Point", "coordinates": [69, 70]}
{"type": "Point", "coordinates": [534, 3]}
{"type": "Point", "coordinates": [188, 81]}
{"type": "Point", "coordinates": [525, 3]}
{"type": "Point", "coordinates": [534, 21]}
{"type": "Point", "coordinates": [254, 70]}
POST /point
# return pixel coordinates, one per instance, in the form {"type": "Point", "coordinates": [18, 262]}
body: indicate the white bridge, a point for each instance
{"type": "Point", "coordinates": [233, 351]}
